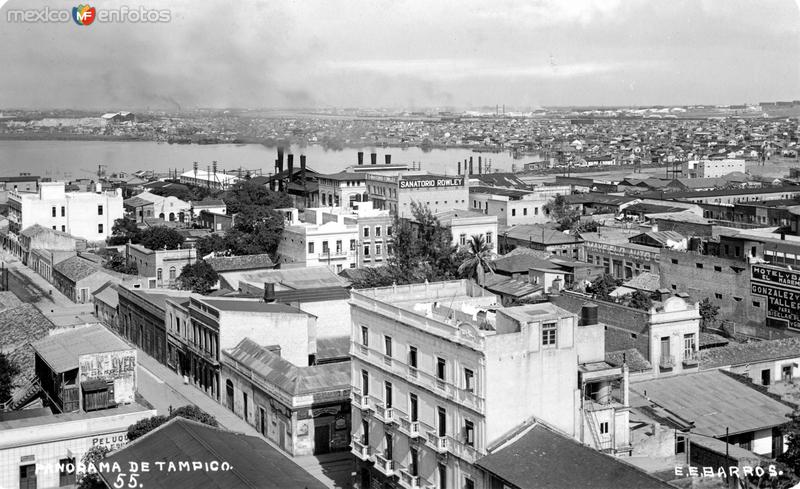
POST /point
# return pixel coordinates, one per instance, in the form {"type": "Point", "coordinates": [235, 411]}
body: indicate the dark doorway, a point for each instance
{"type": "Point", "coordinates": [229, 394]}
{"type": "Point", "coordinates": [765, 376]}
{"type": "Point", "coordinates": [322, 439]}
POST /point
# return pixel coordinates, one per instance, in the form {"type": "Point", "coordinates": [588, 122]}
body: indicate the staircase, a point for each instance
{"type": "Point", "coordinates": [23, 395]}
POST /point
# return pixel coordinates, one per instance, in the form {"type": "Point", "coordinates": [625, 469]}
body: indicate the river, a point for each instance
{"type": "Point", "coordinates": [79, 159]}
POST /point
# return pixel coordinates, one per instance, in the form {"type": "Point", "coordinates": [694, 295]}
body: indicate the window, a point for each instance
{"type": "Point", "coordinates": [756, 304]}
{"type": "Point", "coordinates": [718, 296]}
{"type": "Point", "coordinates": [524, 211]}
{"type": "Point", "coordinates": [604, 428]}
{"type": "Point", "coordinates": [462, 239]}
{"type": "Point", "coordinates": [442, 476]}
{"type": "Point", "coordinates": [338, 246]}
{"type": "Point", "coordinates": [364, 336]}
{"type": "Point", "coordinates": [698, 265]}
{"type": "Point", "coordinates": [364, 383]}
{"type": "Point", "coordinates": [674, 261]}
{"type": "Point", "coordinates": [63, 211]}
{"type": "Point", "coordinates": [387, 345]}
{"type": "Point", "coordinates": [65, 478]}
{"type": "Point", "coordinates": [441, 418]}
{"type": "Point", "coordinates": [388, 230]}
{"type": "Point", "coordinates": [469, 433]}
{"type": "Point", "coordinates": [99, 210]}
{"type": "Point", "coordinates": [172, 273]}
{"type": "Point", "coordinates": [310, 247]}
{"type": "Point", "coordinates": [378, 249]}
{"type": "Point", "coordinates": [469, 380]}
{"type": "Point", "coordinates": [365, 432]}
{"type": "Point", "coordinates": [689, 346]}
{"type": "Point", "coordinates": [325, 248]}
{"type": "Point", "coordinates": [366, 232]}
{"type": "Point", "coordinates": [159, 274]}
{"type": "Point", "coordinates": [513, 212]}
{"type": "Point", "coordinates": [387, 393]}
{"type": "Point", "coordinates": [717, 268]}
{"type": "Point", "coordinates": [549, 331]}
{"type": "Point", "coordinates": [535, 211]}
{"type": "Point", "coordinates": [377, 231]}
{"type": "Point", "coordinates": [413, 407]}
{"type": "Point", "coordinates": [412, 356]}
{"type": "Point", "coordinates": [489, 238]}
{"type": "Point", "coordinates": [54, 211]}
{"type": "Point", "coordinates": [441, 368]}
{"type": "Point", "coordinates": [388, 450]}
{"type": "Point", "coordinates": [413, 455]}
{"type": "Point", "coordinates": [244, 404]}
{"type": "Point", "coordinates": [469, 483]}
{"type": "Point", "coordinates": [99, 229]}
{"type": "Point", "coordinates": [63, 228]}
{"type": "Point", "coordinates": [352, 245]}
{"type": "Point", "coordinates": [737, 299]}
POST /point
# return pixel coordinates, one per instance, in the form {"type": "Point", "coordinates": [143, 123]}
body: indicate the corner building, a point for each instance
{"type": "Point", "coordinates": [441, 374]}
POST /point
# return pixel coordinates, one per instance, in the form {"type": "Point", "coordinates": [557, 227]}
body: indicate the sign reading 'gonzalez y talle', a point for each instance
{"type": "Point", "coordinates": [781, 287]}
{"type": "Point", "coordinates": [432, 182]}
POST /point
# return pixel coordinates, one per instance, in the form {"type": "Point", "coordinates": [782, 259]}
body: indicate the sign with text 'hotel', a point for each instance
{"type": "Point", "coordinates": [432, 182]}
{"type": "Point", "coordinates": [781, 288]}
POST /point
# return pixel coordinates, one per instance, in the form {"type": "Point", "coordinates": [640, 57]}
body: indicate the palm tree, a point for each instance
{"type": "Point", "coordinates": [480, 259]}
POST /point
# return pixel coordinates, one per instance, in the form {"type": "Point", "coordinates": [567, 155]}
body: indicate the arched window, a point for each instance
{"type": "Point", "coordinates": [171, 216]}
{"type": "Point", "coordinates": [172, 273]}
{"type": "Point", "coordinates": [161, 216]}
{"type": "Point", "coordinates": [159, 274]}
{"type": "Point", "coordinates": [229, 393]}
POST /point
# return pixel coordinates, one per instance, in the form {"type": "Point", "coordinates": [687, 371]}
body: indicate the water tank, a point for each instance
{"type": "Point", "coordinates": [588, 314]}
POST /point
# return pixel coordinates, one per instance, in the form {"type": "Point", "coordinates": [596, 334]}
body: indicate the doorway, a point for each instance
{"type": "Point", "coordinates": [322, 439]}
{"type": "Point", "coordinates": [765, 376]}
{"type": "Point", "coordinates": [229, 394]}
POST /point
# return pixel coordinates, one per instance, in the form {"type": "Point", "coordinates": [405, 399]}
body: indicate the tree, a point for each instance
{"type": "Point", "coordinates": [92, 457]}
{"type": "Point", "coordinates": [198, 277]}
{"type": "Point", "coordinates": [791, 457]}
{"type": "Point", "coordinates": [8, 370]}
{"type": "Point", "coordinates": [124, 230]}
{"type": "Point", "coordinates": [246, 194]}
{"type": "Point", "coordinates": [118, 263]}
{"type": "Point", "coordinates": [602, 287]}
{"type": "Point", "coordinates": [160, 237]}
{"type": "Point", "coordinates": [144, 426]}
{"type": "Point", "coordinates": [561, 212]}
{"type": "Point", "coordinates": [213, 243]}
{"type": "Point", "coordinates": [708, 312]}
{"type": "Point", "coordinates": [640, 300]}
{"type": "Point", "coordinates": [194, 413]}
{"type": "Point", "coordinates": [479, 259]}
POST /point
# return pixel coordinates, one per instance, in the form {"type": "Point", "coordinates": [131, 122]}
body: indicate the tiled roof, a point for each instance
{"type": "Point", "coordinates": [745, 353]}
{"type": "Point", "coordinates": [283, 374]}
{"type": "Point", "coordinates": [500, 284]}
{"type": "Point", "coordinates": [208, 203]}
{"type": "Point", "coordinates": [107, 294]}
{"type": "Point", "coordinates": [76, 268]}
{"type": "Point", "coordinates": [543, 459]}
{"type": "Point", "coordinates": [8, 300]}
{"type": "Point", "coordinates": [712, 339]}
{"type": "Point", "coordinates": [244, 262]}
{"type": "Point", "coordinates": [521, 263]}
{"type": "Point", "coordinates": [646, 281]}
{"type": "Point", "coordinates": [333, 347]}
{"type": "Point", "coordinates": [714, 401]}
{"type": "Point", "coordinates": [254, 462]}
{"type": "Point", "coordinates": [636, 362]}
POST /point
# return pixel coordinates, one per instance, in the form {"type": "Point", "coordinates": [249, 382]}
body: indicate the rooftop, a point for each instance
{"type": "Point", "coordinates": [250, 305]}
{"type": "Point", "coordinates": [543, 459]}
{"type": "Point", "coordinates": [540, 234]}
{"type": "Point", "coordinates": [521, 263]}
{"type": "Point", "coordinates": [747, 353]}
{"type": "Point", "coordinates": [61, 351]}
{"type": "Point", "coordinates": [243, 262]}
{"type": "Point", "coordinates": [76, 268]}
{"type": "Point", "coordinates": [41, 421]}
{"type": "Point", "coordinates": [714, 401]}
{"type": "Point", "coordinates": [256, 463]}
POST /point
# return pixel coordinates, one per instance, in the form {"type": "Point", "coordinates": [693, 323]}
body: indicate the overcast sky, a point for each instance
{"type": "Point", "coordinates": [407, 53]}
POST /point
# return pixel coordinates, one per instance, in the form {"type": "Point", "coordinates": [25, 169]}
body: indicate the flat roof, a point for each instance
{"type": "Point", "coordinates": [544, 459]}
{"type": "Point", "coordinates": [61, 351]}
{"type": "Point", "coordinates": [715, 401]}
{"type": "Point", "coordinates": [254, 462]}
{"type": "Point", "coordinates": [250, 305]}
{"type": "Point", "coordinates": [31, 421]}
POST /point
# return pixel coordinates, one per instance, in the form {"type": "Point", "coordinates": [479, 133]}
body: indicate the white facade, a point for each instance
{"type": "Point", "coordinates": [168, 208]}
{"type": "Point", "coordinates": [465, 224]}
{"type": "Point", "coordinates": [45, 441]}
{"type": "Point", "coordinates": [87, 215]}
{"type": "Point", "coordinates": [204, 178]}
{"type": "Point", "coordinates": [714, 168]}
{"type": "Point", "coordinates": [436, 372]}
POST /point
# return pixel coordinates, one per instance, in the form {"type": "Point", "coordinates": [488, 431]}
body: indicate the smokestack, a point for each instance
{"type": "Point", "coordinates": [290, 164]}
{"type": "Point", "coordinates": [373, 158]}
{"type": "Point", "coordinates": [388, 159]}
{"type": "Point", "coordinates": [459, 168]}
{"type": "Point", "coordinates": [269, 292]}
{"type": "Point", "coordinates": [280, 157]}
{"type": "Point", "coordinates": [360, 157]}
{"type": "Point", "coordinates": [303, 166]}
{"type": "Point", "coordinates": [470, 165]}
{"type": "Point", "coordinates": [479, 166]}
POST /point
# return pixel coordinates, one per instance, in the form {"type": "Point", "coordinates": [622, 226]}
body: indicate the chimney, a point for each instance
{"type": "Point", "coordinates": [269, 292]}
{"type": "Point", "coordinates": [290, 164]}
{"type": "Point", "coordinates": [588, 314]}
{"type": "Point", "coordinates": [373, 158]}
{"type": "Point", "coordinates": [480, 166]}
{"type": "Point", "coordinates": [303, 166]}
{"type": "Point", "coordinates": [388, 159]}
{"type": "Point", "coordinates": [280, 157]}
{"type": "Point", "coordinates": [360, 158]}
{"type": "Point", "coordinates": [470, 166]}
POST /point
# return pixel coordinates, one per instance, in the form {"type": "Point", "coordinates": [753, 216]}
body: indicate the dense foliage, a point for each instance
{"type": "Point", "coordinates": [8, 370]}
{"type": "Point", "coordinates": [198, 277]}
{"type": "Point", "coordinates": [708, 312]}
{"type": "Point", "coordinates": [561, 212]}
{"type": "Point", "coordinates": [92, 456]}
{"type": "Point", "coordinates": [602, 286]}
{"type": "Point", "coordinates": [156, 238]}
{"type": "Point", "coordinates": [118, 263]}
{"type": "Point", "coordinates": [479, 260]}
{"type": "Point", "coordinates": [144, 426]}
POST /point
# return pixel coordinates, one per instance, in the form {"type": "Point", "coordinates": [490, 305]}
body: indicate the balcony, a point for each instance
{"type": "Point", "coordinates": [691, 360]}
{"type": "Point", "coordinates": [412, 372]}
{"type": "Point", "coordinates": [359, 400]}
{"type": "Point", "coordinates": [464, 451]}
{"type": "Point", "coordinates": [360, 450]}
{"type": "Point", "coordinates": [666, 362]}
{"type": "Point", "coordinates": [441, 384]}
{"type": "Point", "coordinates": [438, 443]}
{"type": "Point", "coordinates": [387, 415]}
{"type": "Point", "coordinates": [364, 350]}
{"type": "Point", "coordinates": [387, 360]}
{"type": "Point", "coordinates": [384, 465]}
{"type": "Point", "coordinates": [407, 480]}
{"type": "Point", "coordinates": [411, 428]}
{"type": "Point", "coordinates": [333, 255]}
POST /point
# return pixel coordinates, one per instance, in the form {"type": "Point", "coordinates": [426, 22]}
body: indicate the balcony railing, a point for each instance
{"type": "Point", "coordinates": [464, 451]}
{"type": "Point", "coordinates": [387, 360]}
{"type": "Point", "coordinates": [412, 372]}
{"type": "Point", "coordinates": [360, 450]}
{"type": "Point", "coordinates": [691, 360]}
{"type": "Point", "coordinates": [359, 400]}
{"type": "Point", "coordinates": [364, 349]}
{"type": "Point", "coordinates": [384, 465]}
{"type": "Point", "coordinates": [387, 415]}
{"type": "Point", "coordinates": [407, 480]}
{"type": "Point", "coordinates": [666, 361]}
{"type": "Point", "coordinates": [438, 443]}
{"type": "Point", "coordinates": [411, 428]}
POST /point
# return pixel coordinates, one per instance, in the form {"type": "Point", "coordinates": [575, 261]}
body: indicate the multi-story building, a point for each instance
{"type": "Point", "coordinates": [438, 192]}
{"type": "Point", "coordinates": [160, 267]}
{"type": "Point", "coordinates": [87, 215]}
{"type": "Point", "coordinates": [170, 208]}
{"type": "Point", "coordinates": [342, 189]}
{"type": "Point", "coordinates": [463, 224]}
{"type": "Point", "coordinates": [433, 369]}
{"type": "Point", "coordinates": [209, 179]}
{"type": "Point", "coordinates": [511, 206]}
{"type": "Point", "coordinates": [713, 168]}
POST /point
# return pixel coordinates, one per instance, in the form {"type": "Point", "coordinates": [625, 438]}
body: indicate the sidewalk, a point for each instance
{"type": "Point", "coordinates": [164, 388]}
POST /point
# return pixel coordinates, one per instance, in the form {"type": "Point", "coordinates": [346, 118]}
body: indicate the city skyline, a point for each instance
{"type": "Point", "coordinates": [397, 54]}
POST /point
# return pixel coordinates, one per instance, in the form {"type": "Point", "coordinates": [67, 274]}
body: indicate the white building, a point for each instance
{"type": "Point", "coordinates": [209, 179]}
{"type": "Point", "coordinates": [168, 208]}
{"type": "Point", "coordinates": [87, 215]}
{"type": "Point", "coordinates": [514, 206]}
{"type": "Point", "coordinates": [713, 168]}
{"type": "Point", "coordinates": [464, 224]}
{"type": "Point", "coordinates": [441, 372]}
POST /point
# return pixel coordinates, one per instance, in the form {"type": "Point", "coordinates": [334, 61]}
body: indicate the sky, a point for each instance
{"type": "Point", "coordinates": [405, 54]}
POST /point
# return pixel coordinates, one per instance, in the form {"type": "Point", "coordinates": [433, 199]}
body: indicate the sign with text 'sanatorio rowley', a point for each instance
{"type": "Point", "coordinates": [432, 182]}
{"type": "Point", "coordinates": [781, 288]}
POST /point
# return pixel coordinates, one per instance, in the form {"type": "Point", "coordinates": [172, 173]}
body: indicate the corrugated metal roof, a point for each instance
{"type": "Point", "coordinates": [61, 351]}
